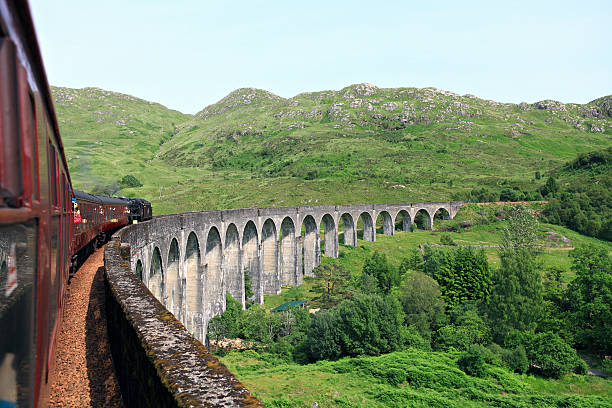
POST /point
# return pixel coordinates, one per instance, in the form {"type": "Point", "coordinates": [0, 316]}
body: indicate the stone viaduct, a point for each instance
{"type": "Point", "coordinates": [190, 260]}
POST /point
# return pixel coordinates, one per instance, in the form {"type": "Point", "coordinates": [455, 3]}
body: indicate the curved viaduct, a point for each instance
{"type": "Point", "coordinates": [190, 260]}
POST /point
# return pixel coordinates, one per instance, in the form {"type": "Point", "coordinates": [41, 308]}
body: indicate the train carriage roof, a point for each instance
{"type": "Point", "coordinates": [99, 199]}
{"type": "Point", "coordinates": [112, 200]}
{"type": "Point", "coordinates": [81, 195]}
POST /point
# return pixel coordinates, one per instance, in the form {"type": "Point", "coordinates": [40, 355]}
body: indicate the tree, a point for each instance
{"type": "Point", "coordinates": [367, 284]}
{"type": "Point", "coordinates": [550, 356]}
{"type": "Point", "coordinates": [550, 188]}
{"type": "Point", "coordinates": [225, 325]}
{"type": "Point", "coordinates": [516, 359]}
{"type": "Point", "coordinates": [332, 283]}
{"type": "Point", "coordinates": [433, 261]}
{"type": "Point", "coordinates": [323, 339]}
{"type": "Point", "coordinates": [446, 239]}
{"type": "Point", "coordinates": [413, 262]}
{"type": "Point", "coordinates": [253, 325]}
{"type": "Point", "coordinates": [516, 297]}
{"type": "Point", "coordinates": [521, 230]}
{"type": "Point", "coordinates": [366, 324]}
{"type": "Point", "coordinates": [370, 324]}
{"type": "Point", "coordinates": [589, 298]}
{"type": "Point", "coordinates": [508, 194]}
{"type": "Point", "coordinates": [248, 288]}
{"type": "Point", "coordinates": [465, 276]}
{"type": "Point", "coordinates": [422, 303]}
{"type": "Point", "coordinates": [379, 267]}
{"type": "Point", "coordinates": [467, 328]}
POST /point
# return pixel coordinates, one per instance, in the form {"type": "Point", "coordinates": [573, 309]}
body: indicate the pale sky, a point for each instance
{"type": "Point", "coordinates": [187, 54]}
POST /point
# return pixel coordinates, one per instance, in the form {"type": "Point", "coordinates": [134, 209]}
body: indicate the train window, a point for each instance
{"type": "Point", "coordinates": [60, 188]}
{"type": "Point", "coordinates": [53, 167]}
{"type": "Point", "coordinates": [11, 185]}
{"type": "Point", "coordinates": [64, 193]}
{"type": "Point", "coordinates": [34, 135]}
{"type": "Point", "coordinates": [18, 282]}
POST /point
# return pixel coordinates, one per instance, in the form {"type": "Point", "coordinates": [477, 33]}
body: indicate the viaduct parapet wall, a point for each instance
{"type": "Point", "coordinates": [189, 261]}
{"type": "Point", "coordinates": [158, 363]}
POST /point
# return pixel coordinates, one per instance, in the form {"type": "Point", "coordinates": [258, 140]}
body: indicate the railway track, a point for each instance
{"type": "Point", "coordinates": [84, 375]}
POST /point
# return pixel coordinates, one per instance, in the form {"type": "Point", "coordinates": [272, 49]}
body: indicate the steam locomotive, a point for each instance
{"type": "Point", "coordinates": [46, 227]}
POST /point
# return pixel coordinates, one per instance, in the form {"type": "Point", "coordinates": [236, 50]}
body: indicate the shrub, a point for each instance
{"type": "Point", "coordinates": [516, 359]}
{"type": "Point", "coordinates": [446, 239]}
{"type": "Point", "coordinates": [412, 339]}
{"type": "Point", "coordinates": [472, 362]}
{"type": "Point", "coordinates": [130, 181]}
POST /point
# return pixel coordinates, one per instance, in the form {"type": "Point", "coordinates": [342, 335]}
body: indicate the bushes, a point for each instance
{"type": "Point", "coordinates": [472, 362]}
{"type": "Point", "coordinates": [446, 239]}
{"type": "Point", "coordinates": [516, 360]}
{"type": "Point", "coordinates": [130, 181]}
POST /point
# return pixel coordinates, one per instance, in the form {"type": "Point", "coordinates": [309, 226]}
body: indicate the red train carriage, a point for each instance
{"type": "Point", "coordinates": [44, 228]}
{"type": "Point", "coordinates": [35, 214]}
{"type": "Point", "coordinates": [95, 219]}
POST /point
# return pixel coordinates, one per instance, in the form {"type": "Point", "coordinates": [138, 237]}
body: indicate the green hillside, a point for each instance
{"type": "Point", "coordinates": [359, 144]}
{"type": "Point", "coordinates": [106, 134]}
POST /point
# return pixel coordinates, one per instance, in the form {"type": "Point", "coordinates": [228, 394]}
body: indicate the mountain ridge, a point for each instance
{"type": "Point", "coordinates": [359, 143]}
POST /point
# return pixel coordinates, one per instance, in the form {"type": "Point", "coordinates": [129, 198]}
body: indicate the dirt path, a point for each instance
{"type": "Point", "coordinates": [84, 370]}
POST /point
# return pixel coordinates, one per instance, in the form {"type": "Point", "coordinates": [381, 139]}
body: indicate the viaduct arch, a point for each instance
{"type": "Point", "coordinates": [189, 261]}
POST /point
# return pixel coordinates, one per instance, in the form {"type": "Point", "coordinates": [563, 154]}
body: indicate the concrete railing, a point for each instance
{"type": "Point", "coordinates": [158, 363]}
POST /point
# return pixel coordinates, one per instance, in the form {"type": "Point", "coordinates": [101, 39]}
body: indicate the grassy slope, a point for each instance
{"type": "Point", "coordinates": [359, 144]}
{"type": "Point", "coordinates": [407, 379]}
{"type": "Point", "coordinates": [108, 135]}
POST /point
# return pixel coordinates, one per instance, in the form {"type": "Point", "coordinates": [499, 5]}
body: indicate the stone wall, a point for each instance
{"type": "Point", "coordinates": [158, 363]}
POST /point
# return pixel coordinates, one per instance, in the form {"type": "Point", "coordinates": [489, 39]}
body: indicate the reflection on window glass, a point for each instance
{"type": "Point", "coordinates": [17, 283]}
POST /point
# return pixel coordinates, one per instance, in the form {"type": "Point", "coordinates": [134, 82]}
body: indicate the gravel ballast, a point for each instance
{"type": "Point", "coordinates": [84, 374]}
